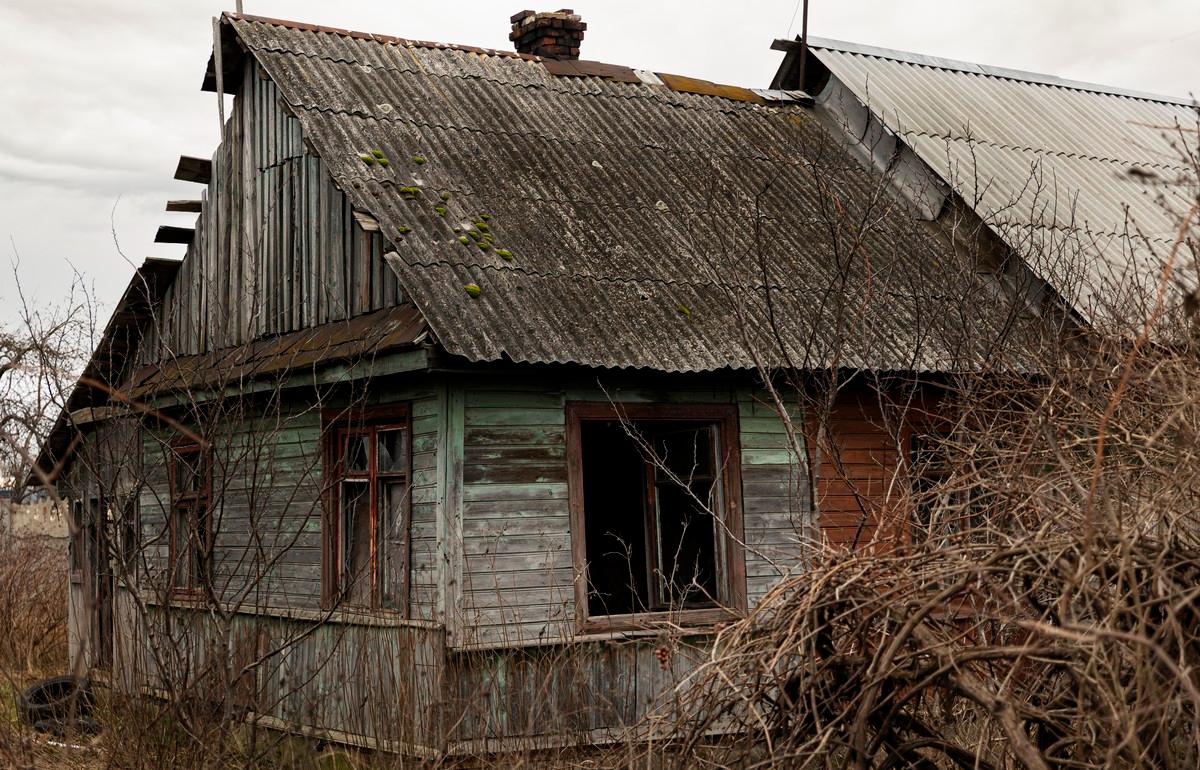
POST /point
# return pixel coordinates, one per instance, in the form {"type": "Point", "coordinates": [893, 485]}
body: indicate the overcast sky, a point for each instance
{"type": "Point", "coordinates": [100, 97]}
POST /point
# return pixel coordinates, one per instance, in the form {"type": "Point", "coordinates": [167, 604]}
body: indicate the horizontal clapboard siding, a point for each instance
{"type": "Point", "coordinates": [267, 510]}
{"type": "Point", "coordinates": [860, 497]}
{"type": "Point", "coordinates": [777, 511]}
{"type": "Point", "coordinates": [518, 574]}
{"type": "Point", "coordinates": [517, 571]}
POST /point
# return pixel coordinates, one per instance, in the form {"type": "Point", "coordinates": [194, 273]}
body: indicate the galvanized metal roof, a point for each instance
{"type": "Point", "coordinates": [1089, 183]}
{"type": "Point", "coordinates": [624, 224]}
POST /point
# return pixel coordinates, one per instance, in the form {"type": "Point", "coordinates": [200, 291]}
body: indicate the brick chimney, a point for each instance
{"type": "Point", "coordinates": [554, 35]}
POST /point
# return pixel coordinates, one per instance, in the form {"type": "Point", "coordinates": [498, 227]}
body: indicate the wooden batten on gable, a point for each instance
{"type": "Point", "coordinates": [185, 206]}
{"type": "Point", "coordinates": [171, 234]}
{"type": "Point", "coordinates": [191, 169]}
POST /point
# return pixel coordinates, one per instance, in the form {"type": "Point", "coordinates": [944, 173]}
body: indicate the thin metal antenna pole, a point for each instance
{"type": "Point", "coordinates": [239, 7]}
{"type": "Point", "coordinates": [803, 44]}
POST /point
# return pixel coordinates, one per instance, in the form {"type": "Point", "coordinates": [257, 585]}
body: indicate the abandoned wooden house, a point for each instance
{"type": "Point", "coordinates": [472, 360]}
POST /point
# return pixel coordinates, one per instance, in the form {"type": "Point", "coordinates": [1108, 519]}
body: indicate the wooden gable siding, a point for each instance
{"type": "Point", "coordinates": [277, 247]}
{"type": "Point", "coordinates": [266, 503]}
{"type": "Point", "coordinates": [517, 570]}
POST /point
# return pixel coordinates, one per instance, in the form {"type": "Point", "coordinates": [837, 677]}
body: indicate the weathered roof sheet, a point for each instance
{"type": "Point", "coordinates": [102, 375]}
{"type": "Point", "coordinates": [648, 226]}
{"type": "Point", "coordinates": [1070, 174]}
{"type": "Point", "coordinates": [366, 335]}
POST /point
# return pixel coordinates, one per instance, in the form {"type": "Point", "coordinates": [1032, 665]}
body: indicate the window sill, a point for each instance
{"type": "Point", "coordinates": [688, 621]}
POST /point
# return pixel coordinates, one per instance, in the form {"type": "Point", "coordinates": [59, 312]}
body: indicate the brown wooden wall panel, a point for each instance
{"type": "Point", "coordinates": [861, 487]}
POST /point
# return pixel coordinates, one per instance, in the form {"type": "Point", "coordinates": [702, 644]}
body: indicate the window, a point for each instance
{"type": "Point", "coordinates": [191, 525]}
{"type": "Point", "coordinates": [368, 522]}
{"type": "Point", "coordinates": [655, 502]}
{"type": "Point", "coordinates": [82, 545]}
{"type": "Point", "coordinates": [945, 504]}
{"type": "Point", "coordinates": [128, 527]}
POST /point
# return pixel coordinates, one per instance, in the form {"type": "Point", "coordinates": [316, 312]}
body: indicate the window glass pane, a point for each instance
{"type": "Point", "coordinates": [685, 453]}
{"type": "Point", "coordinates": [357, 453]}
{"type": "Point", "coordinates": [128, 528]}
{"type": "Point", "coordinates": [687, 552]}
{"type": "Point", "coordinates": [356, 542]}
{"type": "Point", "coordinates": [614, 507]}
{"type": "Point", "coordinates": [181, 565]}
{"type": "Point", "coordinates": [189, 473]}
{"type": "Point", "coordinates": [200, 556]}
{"type": "Point", "coordinates": [392, 447]}
{"type": "Point", "coordinates": [393, 531]}
{"type": "Point", "coordinates": [74, 555]}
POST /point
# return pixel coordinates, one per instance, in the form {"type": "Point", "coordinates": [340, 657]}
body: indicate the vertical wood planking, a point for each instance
{"type": "Point", "coordinates": [276, 247]}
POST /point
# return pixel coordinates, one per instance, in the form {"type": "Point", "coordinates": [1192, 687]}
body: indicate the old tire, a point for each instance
{"type": "Point", "coordinates": [58, 699]}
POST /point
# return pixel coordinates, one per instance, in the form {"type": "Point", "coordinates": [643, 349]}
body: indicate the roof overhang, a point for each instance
{"type": "Point", "coordinates": [92, 393]}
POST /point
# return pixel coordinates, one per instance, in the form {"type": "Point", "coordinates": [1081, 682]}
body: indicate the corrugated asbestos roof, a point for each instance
{"type": "Point", "coordinates": [648, 226]}
{"type": "Point", "coordinates": [1068, 173]}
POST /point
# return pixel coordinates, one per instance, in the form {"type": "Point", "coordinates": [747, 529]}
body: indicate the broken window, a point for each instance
{"type": "Point", "coordinates": [946, 504]}
{"type": "Point", "coordinates": [368, 543]}
{"type": "Point", "coordinates": [654, 508]}
{"type": "Point", "coordinates": [191, 526]}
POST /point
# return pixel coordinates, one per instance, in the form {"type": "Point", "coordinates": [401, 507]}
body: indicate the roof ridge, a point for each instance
{"type": "Point", "coordinates": [376, 37]}
{"type": "Point", "coordinates": [672, 82]}
{"type": "Point", "coordinates": [988, 70]}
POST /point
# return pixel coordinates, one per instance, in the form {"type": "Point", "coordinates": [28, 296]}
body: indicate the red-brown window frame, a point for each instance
{"type": "Point", "coordinates": [192, 502]}
{"type": "Point", "coordinates": [334, 424]}
{"type": "Point", "coordinates": [731, 572]}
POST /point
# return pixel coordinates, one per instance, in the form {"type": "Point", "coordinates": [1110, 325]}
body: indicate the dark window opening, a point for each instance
{"type": "Point", "coordinates": [191, 525]}
{"type": "Point", "coordinates": [368, 533]}
{"type": "Point", "coordinates": [652, 505]}
{"type": "Point", "coordinates": [947, 506]}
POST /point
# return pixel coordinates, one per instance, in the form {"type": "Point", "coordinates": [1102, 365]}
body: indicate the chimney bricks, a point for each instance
{"type": "Point", "coordinates": [554, 35]}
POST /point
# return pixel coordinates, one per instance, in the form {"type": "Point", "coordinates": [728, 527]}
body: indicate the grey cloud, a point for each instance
{"type": "Point", "coordinates": [100, 97]}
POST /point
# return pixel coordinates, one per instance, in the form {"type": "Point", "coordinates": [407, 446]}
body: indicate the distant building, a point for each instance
{"type": "Point", "coordinates": [36, 516]}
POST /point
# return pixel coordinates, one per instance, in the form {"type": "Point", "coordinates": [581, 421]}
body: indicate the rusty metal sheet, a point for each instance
{"type": "Point", "coordinates": [369, 334]}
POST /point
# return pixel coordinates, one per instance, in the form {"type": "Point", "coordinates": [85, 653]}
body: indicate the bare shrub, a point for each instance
{"type": "Point", "coordinates": [33, 608]}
